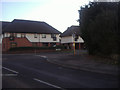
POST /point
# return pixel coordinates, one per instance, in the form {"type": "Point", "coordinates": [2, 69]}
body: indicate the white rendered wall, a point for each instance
{"type": "Point", "coordinates": [31, 38]}
{"type": "Point", "coordinates": [80, 40]}
{"type": "Point", "coordinates": [69, 39]}
{"type": "Point", "coordinates": [39, 38]}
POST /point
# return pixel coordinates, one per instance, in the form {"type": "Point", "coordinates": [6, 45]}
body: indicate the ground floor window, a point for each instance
{"type": "Point", "coordinates": [45, 44]}
{"type": "Point", "coordinates": [13, 44]}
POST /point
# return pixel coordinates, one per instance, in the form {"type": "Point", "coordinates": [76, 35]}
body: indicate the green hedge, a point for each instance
{"type": "Point", "coordinates": [37, 48]}
{"type": "Point", "coordinates": [60, 46]}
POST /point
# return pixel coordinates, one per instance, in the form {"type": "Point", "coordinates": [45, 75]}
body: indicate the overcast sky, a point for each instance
{"type": "Point", "coordinates": [58, 13]}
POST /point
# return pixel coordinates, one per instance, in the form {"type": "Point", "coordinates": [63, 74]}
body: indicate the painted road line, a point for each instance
{"type": "Point", "coordinates": [8, 74]}
{"type": "Point", "coordinates": [41, 56]}
{"type": "Point", "coordinates": [44, 56]}
{"type": "Point", "coordinates": [10, 70]}
{"type": "Point", "coordinates": [47, 83]}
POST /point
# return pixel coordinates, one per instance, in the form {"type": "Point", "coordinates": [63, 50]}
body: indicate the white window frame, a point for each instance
{"type": "Point", "coordinates": [43, 35]}
{"type": "Point", "coordinates": [22, 35]}
{"type": "Point", "coordinates": [35, 35]}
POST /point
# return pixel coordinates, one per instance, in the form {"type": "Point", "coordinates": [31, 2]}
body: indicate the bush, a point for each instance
{"type": "Point", "coordinates": [37, 48]}
{"type": "Point", "coordinates": [30, 48]}
{"type": "Point", "coordinates": [60, 47]}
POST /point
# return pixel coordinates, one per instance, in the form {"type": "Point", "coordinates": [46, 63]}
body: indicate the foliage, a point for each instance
{"type": "Point", "coordinates": [37, 48]}
{"type": "Point", "coordinates": [60, 47]}
{"type": "Point", "coordinates": [99, 27]}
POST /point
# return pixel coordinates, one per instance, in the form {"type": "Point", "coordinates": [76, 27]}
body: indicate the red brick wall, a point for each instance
{"type": "Point", "coordinates": [57, 43]}
{"type": "Point", "coordinates": [21, 42]}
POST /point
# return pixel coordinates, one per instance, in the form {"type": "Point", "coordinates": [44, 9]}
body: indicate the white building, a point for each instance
{"type": "Point", "coordinates": [71, 35]}
{"type": "Point", "coordinates": [26, 33]}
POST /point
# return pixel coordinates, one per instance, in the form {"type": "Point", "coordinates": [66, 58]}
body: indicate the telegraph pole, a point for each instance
{"type": "Point", "coordinates": [74, 43]}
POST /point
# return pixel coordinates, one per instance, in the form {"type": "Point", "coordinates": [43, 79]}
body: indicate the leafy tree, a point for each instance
{"type": "Point", "coordinates": [99, 26]}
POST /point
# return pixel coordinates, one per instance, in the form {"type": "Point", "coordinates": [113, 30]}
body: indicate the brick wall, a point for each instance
{"type": "Point", "coordinates": [20, 42]}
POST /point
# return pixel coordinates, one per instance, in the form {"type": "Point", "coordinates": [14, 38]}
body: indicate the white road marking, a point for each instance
{"type": "Point", "coordinates": [8, 74]}
{"type": "Point", "coordinates": [42, 56]}
{"type": "Point", "coordinates": [18, 54]}
{"type": "Point", "coordinates": [10, 70]}
{"type": "Point", "coordinates": [47, 83]}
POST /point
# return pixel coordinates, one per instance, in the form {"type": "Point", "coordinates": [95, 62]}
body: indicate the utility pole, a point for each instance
{"type": "Point", "coordinates": [74, 42]}
{"type": "Point", "coordinates": [39, 41]}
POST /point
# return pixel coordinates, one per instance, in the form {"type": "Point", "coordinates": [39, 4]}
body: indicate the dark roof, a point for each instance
{"type": "Point", "coordinates": [71, 30]}
{"type": "Point", "coordinates": [27, 26]}
{"type": "Point", "coordinates": [4, 24]}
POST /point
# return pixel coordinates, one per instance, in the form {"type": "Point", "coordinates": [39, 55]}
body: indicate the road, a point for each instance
{"type": "Point", "coordinates": [34, 71]}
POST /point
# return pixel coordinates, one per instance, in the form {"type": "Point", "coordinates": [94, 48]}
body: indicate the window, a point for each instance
{"type": "Point", "coordinates": [76, 38]}
{"type": "Point", "coordinates": [43, 35]}
{"type": "Point", "coordinates": [11, 34]}
{"type": "Point", "coordinates": [54, 38]}
{"type": "Point", "coordinates": [23, 35]}
{"type": "Point", "coordinates": [35, 35]}
{"type": "Point", "coordinates": [60, 40]}
{"type": "Point", "coordinates": [14, 34]}
{"type": "Point", "coordinates": [6, 34]}
{"type": "Point", "coordinates": [3, 35]}
{"type": "Point", "coordinates": [53, 35]}
{"type": "Point", "coordinates": [13, 44]}
{"type": "Point", "coordinates": [11, 37]}
{"type": "Point", "coordinates": [45, 44]}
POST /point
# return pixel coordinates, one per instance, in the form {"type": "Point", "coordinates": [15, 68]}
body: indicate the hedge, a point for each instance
{"type": "Point", "coordinates": [37, 48]}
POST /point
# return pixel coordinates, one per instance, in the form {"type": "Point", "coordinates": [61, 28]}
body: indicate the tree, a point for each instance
{"type": "Point", "coordinates": [99, 27]}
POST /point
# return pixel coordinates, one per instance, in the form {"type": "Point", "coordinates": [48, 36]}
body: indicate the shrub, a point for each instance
{"type": "Point", "coordinates": [37, 48]}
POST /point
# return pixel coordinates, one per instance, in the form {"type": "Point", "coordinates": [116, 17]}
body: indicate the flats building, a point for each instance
{"type": "Point", "coordinates": [26, 33]}
{"type": "Point", "coordinates": [71, 35]}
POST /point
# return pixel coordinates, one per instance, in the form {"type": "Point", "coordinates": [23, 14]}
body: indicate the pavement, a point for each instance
{"type": "Point", "coordinates": [81, 61]}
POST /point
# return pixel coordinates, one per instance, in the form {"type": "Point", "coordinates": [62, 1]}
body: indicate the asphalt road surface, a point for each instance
{"type": "Point", "coordinates": [34, 71]}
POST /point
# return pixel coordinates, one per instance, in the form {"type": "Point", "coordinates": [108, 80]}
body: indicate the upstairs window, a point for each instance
{"type": "Point", "coordinates": [43, 35]}
{"type": "Point", "coordinates": [53, 35]}
{"type": "Point", "coordinates": [35, 35]}
{"type": "Point", "coordinates": [14, 34]}
{"type": "Point", "coordinates": [23, 35]}
{"type": "Point", "coordinates": [76, 37]}
{"type": "Point", "coordinates": [6, 34]}
{"type": "Point", "coordinates": [11, 36]}
{"type": "Point", "coordinates": [54, 39]}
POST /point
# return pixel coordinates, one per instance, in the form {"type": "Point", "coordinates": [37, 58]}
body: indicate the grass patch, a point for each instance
{"type": "Point", "coordinates": [105, 60]}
